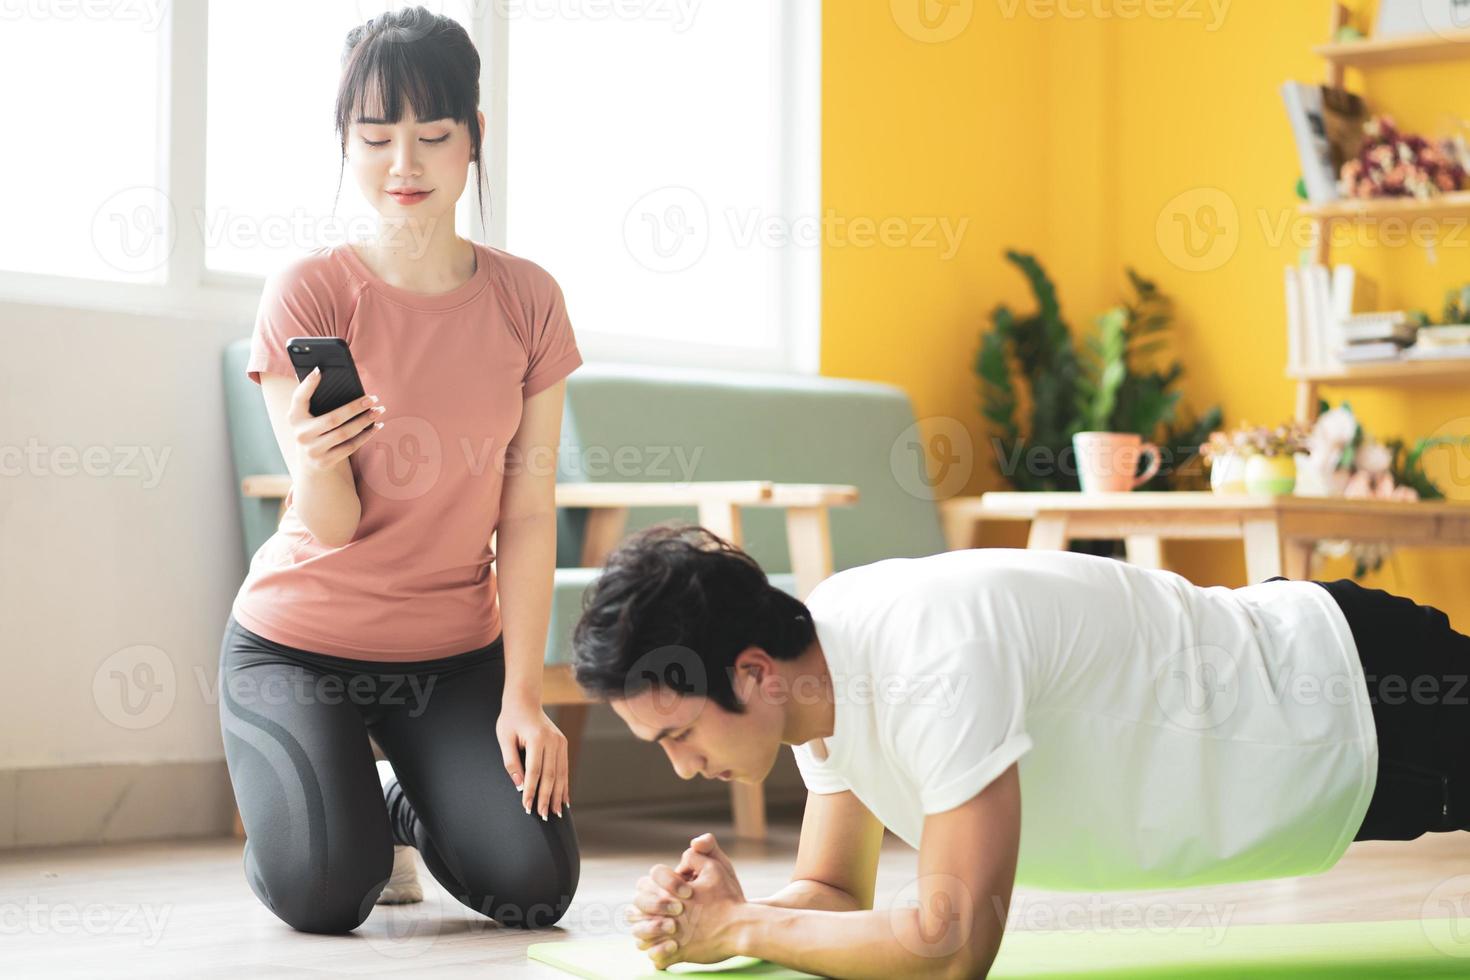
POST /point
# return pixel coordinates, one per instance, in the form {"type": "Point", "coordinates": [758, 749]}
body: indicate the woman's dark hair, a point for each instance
{"type": "Point", "coordinates": [423, 56]}
{"type": "Point", "coordinates": [673, 608]}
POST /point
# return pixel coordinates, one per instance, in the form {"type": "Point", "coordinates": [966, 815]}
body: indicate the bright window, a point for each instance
{"type": "Point", "coordinates": [82, 149]}
{"type": "Point", "coordinates": [647, 168]}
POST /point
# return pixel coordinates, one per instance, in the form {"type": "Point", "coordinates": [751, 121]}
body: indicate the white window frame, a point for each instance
{"type": "Point", "coordinates": [189, 289]}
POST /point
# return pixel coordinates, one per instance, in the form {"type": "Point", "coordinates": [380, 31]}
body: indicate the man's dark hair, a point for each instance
{"type": "Point", "coordinates": [673, 608]}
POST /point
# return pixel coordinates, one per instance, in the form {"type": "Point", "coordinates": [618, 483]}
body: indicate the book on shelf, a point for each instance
{"type": "Point", "coordinates": [1410, 18]}
{"type": "Point", "coordinates": [1445, 335]}
{"type": "Point", "coordinates": [1435, 352]}
{"type": "Point", "coordinates": [1383, 350]}
{"type": "Point", "coordinates": [1296, 355]}
{"type": "Point", "coordinates": [1308, 314]}
{"type": "Point", "coordinates": [1362, 328]}
{"type": "Point", "coordinates": [1327, 124]}
{"type": "Point", "coordinates": [1326, 326]}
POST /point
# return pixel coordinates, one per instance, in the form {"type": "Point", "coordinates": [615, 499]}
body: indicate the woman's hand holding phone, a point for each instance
{"type": "Point", "coordinates": [325, 440]}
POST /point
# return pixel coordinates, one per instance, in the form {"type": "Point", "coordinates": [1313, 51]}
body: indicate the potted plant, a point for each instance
{"type": "Point", "coordinates": [1110, 383]}
{"type": "Point", "coordinates": [1255, 459]}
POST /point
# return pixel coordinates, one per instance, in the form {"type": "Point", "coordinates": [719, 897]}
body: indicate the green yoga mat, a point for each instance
{"type": "Point", "coordinates": [1428, 949]}
{"type": "Point", "coordinates": [620, 959]}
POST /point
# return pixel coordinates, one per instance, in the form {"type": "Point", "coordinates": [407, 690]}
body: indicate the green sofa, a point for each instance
{"type": "Point", "coordinates": [642, 424]}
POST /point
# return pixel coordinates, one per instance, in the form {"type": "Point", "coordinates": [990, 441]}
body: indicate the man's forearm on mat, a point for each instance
{"type": "Point", "coordinates": [860, 945]}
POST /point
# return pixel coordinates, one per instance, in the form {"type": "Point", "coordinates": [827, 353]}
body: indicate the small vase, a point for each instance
{"type": "Point", "coordinates": [1271, 475]}
{"type": "Point", "coordinates": [1227, 473]}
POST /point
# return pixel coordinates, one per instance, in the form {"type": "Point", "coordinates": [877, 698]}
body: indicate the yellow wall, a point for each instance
{"type": "Point", "coordinates": [1081, 138]}
{"type": "Point", "coordinates": [949, 130]}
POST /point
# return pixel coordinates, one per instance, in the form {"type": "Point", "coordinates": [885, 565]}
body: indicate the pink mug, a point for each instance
{"type": "Point", "coordinates": [1107, 461]}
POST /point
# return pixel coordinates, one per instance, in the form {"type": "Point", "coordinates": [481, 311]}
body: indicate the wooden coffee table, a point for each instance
{"type": "Point", "coordinates": [1279, 532]}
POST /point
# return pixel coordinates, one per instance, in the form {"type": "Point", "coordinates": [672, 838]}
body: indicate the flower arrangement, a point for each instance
{"type": "Point", "coordinates": [1254, 459]}
{"type": "Point", "coordinates": [1256, 440]}
{"type": "Point", "coordinates": [1394, 164]}
{"type": "Point", "coordinates": [1350, 463]}
{"type": "Point", "coordinates": [1347, 462]}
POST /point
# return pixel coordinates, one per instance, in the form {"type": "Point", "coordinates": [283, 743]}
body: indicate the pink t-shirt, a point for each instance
{"type": "Point", "coordinates": [415, 582]}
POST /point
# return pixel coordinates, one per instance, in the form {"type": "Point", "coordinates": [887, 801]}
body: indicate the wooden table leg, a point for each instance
{"type": "Point", "coordinates": [809, 537]}
{"type": "Point", "coordinates": [605, 528]}
{"type": "Point", "coordinates": [747, 800]}
{"type": "Point", "coordinates": [1144, 550]}
{"type": "Point", "coordinates": [1263, 551]}
{"type": "Point", "coordinates": [572, 720]}
{"type": "Point", "coordinates": [1297, 559]}
{"type": "Point", "coordinates": [961, 528]}
{"type": "Point", "coordinates": [1048, 531]}
{"type": "Point", "coordinates": [721, 519]}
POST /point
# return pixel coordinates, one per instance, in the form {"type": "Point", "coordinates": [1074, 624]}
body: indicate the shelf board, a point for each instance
{"type": "Point", "coordinates": [1454, 205]}
{"type": "Point", "coordinates": [1412, 50]}
{"type": "Point", "coordinates": [1389, 372]}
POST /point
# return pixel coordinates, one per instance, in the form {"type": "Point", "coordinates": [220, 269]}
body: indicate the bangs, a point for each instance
{"type": "Point", "coordinates": [383, 74]}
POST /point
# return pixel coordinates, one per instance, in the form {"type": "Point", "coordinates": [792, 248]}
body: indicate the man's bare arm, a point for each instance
{"type": "Point", "coordinates": [837, 859]}
{"type": "Point", "coordinates": [967, 868]}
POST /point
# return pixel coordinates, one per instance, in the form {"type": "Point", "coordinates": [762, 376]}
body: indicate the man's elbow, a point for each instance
{"type": "Point", "coordinates": [968, 964]}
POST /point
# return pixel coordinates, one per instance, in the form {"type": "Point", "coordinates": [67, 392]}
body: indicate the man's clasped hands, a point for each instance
{"type": "Point", "coordinates": [690, 913]}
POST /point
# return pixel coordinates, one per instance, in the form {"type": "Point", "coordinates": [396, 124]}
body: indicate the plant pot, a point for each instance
{"type": "Point", "coordinates": [1227, 473]}
{"type": "Point", "coordinates": [1272, 475]}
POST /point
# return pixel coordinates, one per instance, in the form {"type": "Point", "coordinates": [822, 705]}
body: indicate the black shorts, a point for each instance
{"type": "Point", "coordinates": [1418, 675]}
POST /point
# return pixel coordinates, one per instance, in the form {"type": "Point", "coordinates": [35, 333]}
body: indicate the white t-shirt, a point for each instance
{"type": "Point", "coordinates": [1168, 735]}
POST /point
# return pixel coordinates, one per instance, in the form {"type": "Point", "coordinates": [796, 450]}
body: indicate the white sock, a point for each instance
{"type": "Point", "coordinates": [403, 886]}
{"type": "Point", "coordinates": [385, 773]}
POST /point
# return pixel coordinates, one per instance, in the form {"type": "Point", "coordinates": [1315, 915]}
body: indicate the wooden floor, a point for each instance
{"type": "Point", "coordinates": [182, 909]}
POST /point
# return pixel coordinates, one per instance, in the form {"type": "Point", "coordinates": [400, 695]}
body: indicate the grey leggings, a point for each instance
{"type": "Point", "coordinates": [319, 827]}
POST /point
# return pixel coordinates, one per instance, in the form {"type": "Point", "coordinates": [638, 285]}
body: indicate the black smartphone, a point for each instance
{"type": "Point", "coordinates": [339, 383]}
